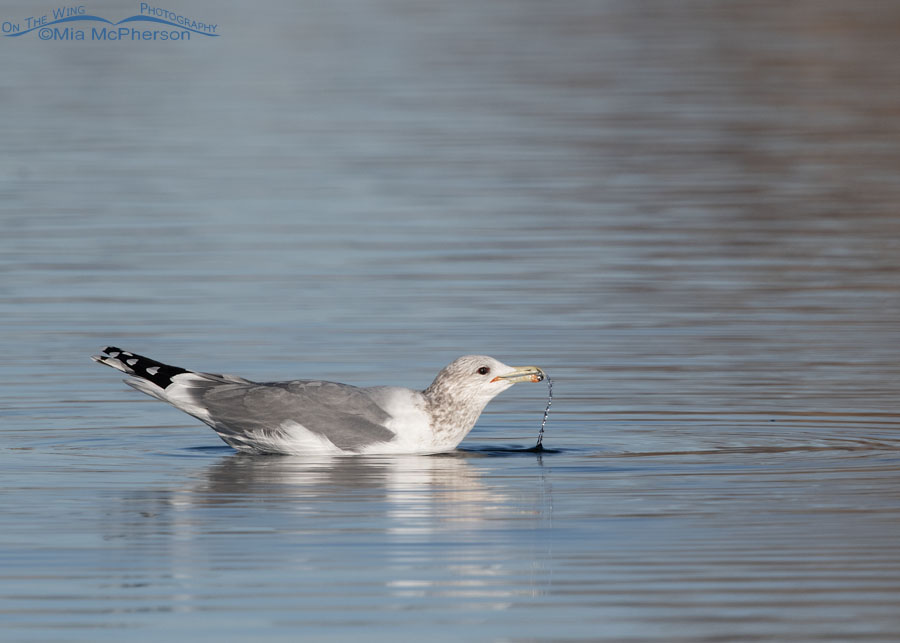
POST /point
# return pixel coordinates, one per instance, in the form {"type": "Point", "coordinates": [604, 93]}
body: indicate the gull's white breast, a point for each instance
{"type": "Point", "coordinates": [409, 421]}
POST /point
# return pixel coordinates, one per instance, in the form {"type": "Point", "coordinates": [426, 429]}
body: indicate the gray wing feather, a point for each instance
{"type": "Point", "coordinates": [346, 415]}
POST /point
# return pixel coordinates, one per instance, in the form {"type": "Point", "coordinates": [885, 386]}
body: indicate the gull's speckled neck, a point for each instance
{"type": "Point", "coordinates": [459, 393]}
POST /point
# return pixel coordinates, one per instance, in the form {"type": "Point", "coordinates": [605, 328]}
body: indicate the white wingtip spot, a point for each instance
{"type": "Point", "coordinates": [126, 353]}
{"type": "Point", "coordinates": [114, 354]}
{"type": "Point", "coordinates": [153, 370]}
{"type": "Point", "coordinates": [131, 362]}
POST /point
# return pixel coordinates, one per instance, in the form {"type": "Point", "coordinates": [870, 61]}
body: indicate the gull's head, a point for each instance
{"type": "Point", "coordinates": [476, 379]}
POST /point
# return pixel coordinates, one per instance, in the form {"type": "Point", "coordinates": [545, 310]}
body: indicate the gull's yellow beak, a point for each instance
{"type": "Point", "coordinates": [522, 374]}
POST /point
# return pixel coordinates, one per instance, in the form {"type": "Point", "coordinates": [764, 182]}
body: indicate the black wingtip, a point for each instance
{"type": "Point", "coordinates": [139, 366]}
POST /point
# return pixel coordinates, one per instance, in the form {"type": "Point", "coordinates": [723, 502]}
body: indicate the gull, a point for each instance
{"type": "Point", "coordinates": [314, 417]}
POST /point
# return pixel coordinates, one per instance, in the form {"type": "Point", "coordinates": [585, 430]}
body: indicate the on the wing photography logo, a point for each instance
{"type": "Point", "coordinates": [73, 23]}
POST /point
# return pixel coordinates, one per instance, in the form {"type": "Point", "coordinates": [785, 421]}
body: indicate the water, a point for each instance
{"type": "Point", "coordinates": [686, 213]}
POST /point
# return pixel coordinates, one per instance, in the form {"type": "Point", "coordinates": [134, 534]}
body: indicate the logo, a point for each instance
{"type": "Point", "coordinates": [75, 23]}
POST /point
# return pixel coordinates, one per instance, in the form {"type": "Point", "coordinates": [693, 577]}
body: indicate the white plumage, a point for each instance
{"type": "Point", "coordinates": [303, 417]}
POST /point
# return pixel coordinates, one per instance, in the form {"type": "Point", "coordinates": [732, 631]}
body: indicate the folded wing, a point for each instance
{"type": "Point", "coordinates": [344, 415]}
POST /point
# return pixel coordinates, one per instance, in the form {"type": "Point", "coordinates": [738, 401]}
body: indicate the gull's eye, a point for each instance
{"type": "Point", "coordinates": [484, 370]}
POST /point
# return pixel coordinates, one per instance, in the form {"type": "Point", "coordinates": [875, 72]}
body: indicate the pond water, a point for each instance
{"type": "Point", "coordinates": [686, 213]}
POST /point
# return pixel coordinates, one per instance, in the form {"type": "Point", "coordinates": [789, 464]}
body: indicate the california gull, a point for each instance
{"type": "Point", "coordinates": [317, 417]}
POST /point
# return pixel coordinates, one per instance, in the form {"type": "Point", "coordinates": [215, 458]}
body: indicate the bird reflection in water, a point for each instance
{"type": "Point", "coordinates": [423, 525]}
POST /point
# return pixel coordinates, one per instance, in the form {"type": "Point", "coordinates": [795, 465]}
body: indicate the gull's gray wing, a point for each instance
{"type": "Point", "coordinates": [346, 415]}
